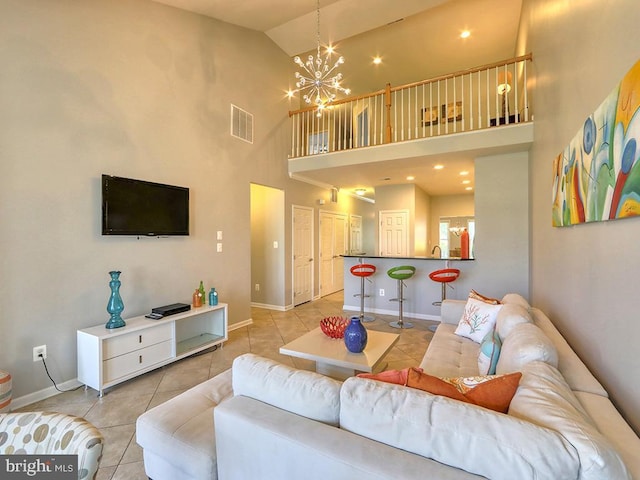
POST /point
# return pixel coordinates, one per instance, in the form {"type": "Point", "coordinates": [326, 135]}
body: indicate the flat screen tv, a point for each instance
{"type": "Point", "coordinates": [136, 207]}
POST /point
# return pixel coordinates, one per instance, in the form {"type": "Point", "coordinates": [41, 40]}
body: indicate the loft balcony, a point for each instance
{"type": "Point", "coordinates": [486, 109]}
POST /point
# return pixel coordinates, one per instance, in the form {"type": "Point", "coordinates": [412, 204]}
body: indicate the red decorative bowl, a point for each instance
{"type": "Point", "coordinates": [334, 326]}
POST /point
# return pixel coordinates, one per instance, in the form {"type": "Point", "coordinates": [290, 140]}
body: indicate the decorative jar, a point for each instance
{"type": "Point", "coordinates": [355, 336]}
{"type": "Point", "coordinates": [115, 305]}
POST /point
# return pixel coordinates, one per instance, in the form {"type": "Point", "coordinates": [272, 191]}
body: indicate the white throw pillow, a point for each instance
{"type": "Point", "coordinates": [477, 320]}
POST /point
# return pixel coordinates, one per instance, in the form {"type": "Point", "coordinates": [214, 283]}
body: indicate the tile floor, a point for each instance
{"type": "Point", "coordinates": [115, 414]}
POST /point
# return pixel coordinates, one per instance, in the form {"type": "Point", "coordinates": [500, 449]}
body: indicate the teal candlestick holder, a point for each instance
{"type": "Point", "coordinates": [115, 306]}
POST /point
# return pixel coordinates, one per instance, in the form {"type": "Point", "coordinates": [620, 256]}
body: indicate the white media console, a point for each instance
{"type": "Point", "coordinates": [108, 357]}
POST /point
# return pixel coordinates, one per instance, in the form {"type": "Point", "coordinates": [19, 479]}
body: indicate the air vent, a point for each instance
{"type": "Point", "coordinates": [241, 124]}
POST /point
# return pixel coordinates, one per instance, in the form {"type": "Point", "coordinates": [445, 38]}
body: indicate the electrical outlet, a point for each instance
{"type": "Point", "coordinates": [382, 292]}
{"type": "Point", "coordinates": [257, 287]}
{"type": "Point", "coordinates": [39, 353]}
{"type": "Point", "coordinates": [219, 247]}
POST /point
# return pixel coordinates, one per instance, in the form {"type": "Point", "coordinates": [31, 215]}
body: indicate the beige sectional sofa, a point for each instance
{"type": "Point", "coordinates": [276, 422]}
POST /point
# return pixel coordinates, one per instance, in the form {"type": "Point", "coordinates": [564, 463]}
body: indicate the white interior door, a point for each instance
{"type": "Point", "coordinates": [355, 234]}
{"type": "Point", "coordinates": [302, 254]}
{"type": "Point", "coordinates": [394, 233]}
{"type": "Point", "coordinates": [333, 244]}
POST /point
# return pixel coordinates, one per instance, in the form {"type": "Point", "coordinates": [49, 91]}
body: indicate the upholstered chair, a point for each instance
{"type": "Point", "coordinates": [52, 433]}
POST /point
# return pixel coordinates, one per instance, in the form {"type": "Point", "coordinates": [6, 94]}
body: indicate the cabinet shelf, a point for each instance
{"type": "Point", "coordinates": [196, 342]}
{"type": "Point", "coordinates": [108, 357]}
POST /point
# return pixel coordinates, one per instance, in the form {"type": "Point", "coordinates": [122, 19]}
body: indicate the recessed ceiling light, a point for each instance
{"type": "Point", "coordinates": [360, 191]}
{"type": "Point", "coordinates": [464, 172]}
{"type": "Point", "coordinates": [466, 182]}
{"type": "Point", "coordinates": [469, 188]}
{"type": "Point", "coordinates": [438, 167]}
{"type": "Point", "coordinates": [411, 177]}
{"type": "Point", "coordinates": [465, 34]}
{"type": "Point", "coordinates": [377, 60]}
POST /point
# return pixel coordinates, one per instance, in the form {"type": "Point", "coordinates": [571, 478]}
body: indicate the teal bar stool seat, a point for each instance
{"type": "Point", "coordinates": [363, 270]}
{"type": "Point", "coordinates": [400, 274]}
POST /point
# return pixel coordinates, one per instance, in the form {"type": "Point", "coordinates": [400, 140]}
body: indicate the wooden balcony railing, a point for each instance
{"type": "Point", "coordinates": [482, 97]}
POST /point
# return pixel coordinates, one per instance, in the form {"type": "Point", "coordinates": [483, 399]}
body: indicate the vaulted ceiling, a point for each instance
{"type": "Point", "coordinates": [416, 40]}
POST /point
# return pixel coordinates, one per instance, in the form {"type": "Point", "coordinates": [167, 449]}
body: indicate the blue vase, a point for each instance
{"type": "Point", "coordinates": [115, 306]}
{"type": "Point", "coordinates": [355, 336]}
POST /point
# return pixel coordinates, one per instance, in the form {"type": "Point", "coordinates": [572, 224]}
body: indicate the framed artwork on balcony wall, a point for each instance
{"type": "Point", "coordinates": [429, 116]}
{"type": "Point", "coordinates": [318, 143]}
{"type": "Point", "coordinates": [597, 176]}
{"type": "Point", "coordinates": [452, 111]}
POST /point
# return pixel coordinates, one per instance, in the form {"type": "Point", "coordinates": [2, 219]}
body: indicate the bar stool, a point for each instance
{"type": "Point", "coordinates": [400, 274]}
{"type": "Point", "coordinates": [363, 270]}
{"type": "Point", "coordinates": [444, 276]}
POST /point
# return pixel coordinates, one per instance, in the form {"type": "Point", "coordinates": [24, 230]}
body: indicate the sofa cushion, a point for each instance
{"type": "Point", "coordinates": [180, 430]}
{"type": "Point", "coordinates": [544, 398]}
{"type": "Point", "coordinates": [461, 435]}
{"type": "Point", "coordinates": [478, 319]}
{"type": "Point", "coordinates": [611, 424]}
{"type": "Point", "coordinates": [525, 343]}
{"type": "Point", "coordinates": [489, 391]}
{"type": "Point", "coordinates": [489, 353]}
{"type": "Point", "coordinates": [517, 299]}
{"type": "Point", "coordinates": [450, 355]}
{"type": "Point", "coordinates": [304, 393]}
{"type": "Point", "coordinates": [510, 315]}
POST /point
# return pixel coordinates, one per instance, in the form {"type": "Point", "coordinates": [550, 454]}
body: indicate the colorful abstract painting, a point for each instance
{"type": "Point", "coordinates": [597, 176]}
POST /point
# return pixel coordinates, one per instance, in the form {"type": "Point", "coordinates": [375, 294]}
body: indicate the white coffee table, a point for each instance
{"type": "Point", "coordinates": [332, 357]}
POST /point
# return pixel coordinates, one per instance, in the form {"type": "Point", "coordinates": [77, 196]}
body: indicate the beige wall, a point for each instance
{"type": "Point", "coordinates": [584, 277]}
{"type": "Point", "coordinates": [141, 90]}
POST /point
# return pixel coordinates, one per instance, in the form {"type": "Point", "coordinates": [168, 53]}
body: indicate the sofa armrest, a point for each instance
{"type": "Point", "coordinates": [261, 442]}
{"type": "Point", "coordinates": [451, 311]}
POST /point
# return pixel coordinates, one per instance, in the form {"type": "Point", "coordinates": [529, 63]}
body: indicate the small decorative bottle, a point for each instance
{"type": "Point", "coordinates": [355, 336]}
{"type": "Point", "coordinates": [202, 293]}
{"type": "Point", "coordinates": [464, 244]}
{"type": "Point", "coordinates": [197, 299]}
{"type": "Point", "coordinates": [213, 297]}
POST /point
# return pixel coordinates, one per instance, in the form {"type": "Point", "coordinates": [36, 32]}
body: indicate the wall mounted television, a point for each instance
{"type": "Point", "coordinates": [137, 207]}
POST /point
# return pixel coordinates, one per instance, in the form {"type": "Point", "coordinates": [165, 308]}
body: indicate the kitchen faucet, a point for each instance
{"type": "Point", "coordinates": [433, 251]}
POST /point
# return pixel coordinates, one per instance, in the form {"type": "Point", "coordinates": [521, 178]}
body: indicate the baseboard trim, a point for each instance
{"type": "Point", "coordinates": [43, 394]}
{"type": "Point", "coordinates": [267, 306]}
{"type": "Point", "coordinates": [237, 325]}
{"type": "Point", "coordinates": [380, 311]}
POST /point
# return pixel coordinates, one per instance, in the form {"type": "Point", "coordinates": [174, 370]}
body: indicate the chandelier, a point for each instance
{"type": "Point", "coordinates": [319, 82]}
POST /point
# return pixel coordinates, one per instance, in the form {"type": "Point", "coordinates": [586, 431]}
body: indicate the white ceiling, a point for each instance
{"type": "Point", "coordinates": [417, 40]}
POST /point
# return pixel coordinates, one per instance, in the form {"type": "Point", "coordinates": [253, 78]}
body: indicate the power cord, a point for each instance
{"type": "Point", "coordinates": [53, 381]}
{"type": "Point", "coordinates": [208, 350]}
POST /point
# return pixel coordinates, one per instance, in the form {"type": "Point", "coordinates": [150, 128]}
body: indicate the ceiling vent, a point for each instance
{"type": "Point", "coordinates": [241, 124]}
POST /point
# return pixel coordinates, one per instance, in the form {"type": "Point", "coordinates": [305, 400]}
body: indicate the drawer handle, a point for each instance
{"type": "Point", "coordinates": [139, 338]}
{"type": "Point", "coordinates": [139, 358]}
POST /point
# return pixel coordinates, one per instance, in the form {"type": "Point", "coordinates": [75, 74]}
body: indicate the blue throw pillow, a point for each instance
{"type": "Point", "coordinates": [489, 353]}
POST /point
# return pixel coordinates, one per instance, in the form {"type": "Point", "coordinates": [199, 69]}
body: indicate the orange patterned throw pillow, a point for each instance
{"type": "Point", "coordinates": [477, 296]}
{"type": "Point", "coordinates": [399, 377]}
{"type": "Point", "coordinates": [489, 391]}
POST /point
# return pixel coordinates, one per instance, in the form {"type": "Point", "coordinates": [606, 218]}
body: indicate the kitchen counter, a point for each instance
{"type": "Point", "coordinates": [420, 291]}
{"type": "Point", "coordinates": [410, 258]}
